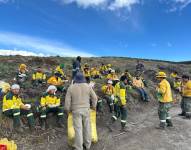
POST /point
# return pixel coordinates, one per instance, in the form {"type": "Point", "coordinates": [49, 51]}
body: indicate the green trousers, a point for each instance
{"type": "Point", "coordinates": [120, 112]}
{"type": "Point", "coordinates": [110, 102]}
{"type": "Point", "coordinates": [16, 113]}
{"type": "Point", "coordinates": [163, 111]}
{"type": "Point", "coordinates": [58, 110]}
{"type": "Point", "coordinates": [186, 106]}
{"type": "Point", "coordinates": [100, 105]}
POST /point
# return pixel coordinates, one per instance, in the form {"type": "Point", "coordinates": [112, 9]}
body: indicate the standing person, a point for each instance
{"type": "Point", "coordinates": [120, 104]}
{"type": "Point", "coordinates": [76, 66]}
{"type": "Point", "coordinates": [140, 67]}
{"type": "Point", "coordinates": [164, 95]}
{"type": "Point", "coordinates": [77, 101]}
{"type": "Point", "coordinates": [186, 97]}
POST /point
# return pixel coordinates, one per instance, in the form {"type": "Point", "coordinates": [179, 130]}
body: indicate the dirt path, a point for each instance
{"type": "Point", "coordinates": [144, 136]}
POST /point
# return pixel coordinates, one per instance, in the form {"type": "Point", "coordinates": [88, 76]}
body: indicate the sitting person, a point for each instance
{"type": "Point", "coordinates": [139, 85]}
{"type": "Point", "coordinates": [103, 69]}
{"type": "Point", "coordinates": [56, 81]}
{"type": "Point", "coordinates": [51, 103]}
{"type": "Point", "coordinates": [4, 88]}
{"type": "Point", "coordinates": [113, 77]}
{"type": "Point", "coordinates": [95, 74]}
{"type": "Point", "coordinates": [60, 71]}
{"type": "Point", "coordinates": [22, 74]}
{"type": "Point", "coordinates": [108, 91]}
{"type": "Point", "coordinates": [129, 77]}
{"type": "Point", "coordinates": [87, 74]}
{"type": "Point", "coordinates": [13, 107]}
{"type": "Point", "coordinates": [39, 77]}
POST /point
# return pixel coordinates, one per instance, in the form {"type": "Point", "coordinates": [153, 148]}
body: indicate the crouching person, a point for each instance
{"type": "Point", "coordinates": [13, 107]}
{"type": "Point", "coordinates": [51, 103]}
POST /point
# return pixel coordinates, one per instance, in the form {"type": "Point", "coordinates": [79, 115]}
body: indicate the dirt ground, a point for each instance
{"type": "Point", "coordinates": [142, 134]}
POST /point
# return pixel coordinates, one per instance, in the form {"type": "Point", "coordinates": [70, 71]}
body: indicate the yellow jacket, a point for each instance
{"type": "Point", "coordinates": [60, 71]}
{"type": "Point", "coordinates": [49, 100]}
{"type": "Point", "coordinates": [55, 81]}
{"type": "Point", "coordinates": [94, 72]}
{"type": "Point", "coordinates": [108, 90]}
{"type": "Point", "coordinates": [138, 83]}
{"type": "Point", "coordinates": [39, 76]}
{"type": "Point", "coordinates": [103, 68]}
{"type": "Point", "coordinates": [120, 92]}
{"type": "Point", "coordinates": [112, 77]}
{"type": "Point", "coordinates": [177, 84]}
{"type": "Point", "coordinates": [10, 101]}
{"type": "Point", "coordinates": [165, 90]}
{"type": "Point", "coordinates": [186, 90]}
{"type": "Point", "coordinates": [128, 75]}
{"type": "Point", "coordinates": [173, 75]}
{"type": "Point", "coordinates": [87, 73]}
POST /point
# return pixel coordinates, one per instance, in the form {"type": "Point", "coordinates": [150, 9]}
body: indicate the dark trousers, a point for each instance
{"type": "Point", "coordinates": [16, 113]}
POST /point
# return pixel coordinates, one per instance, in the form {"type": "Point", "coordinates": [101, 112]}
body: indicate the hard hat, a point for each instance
{"type": "Point", "coordinates": [15, 87]}
{"type": "Point", "coordinates": [110, 82]}
{"type": "Point", "coordinates": [22, 66]}
{"type": "Point", "coordinates": [112, 71]}
{"type": "Point", "coordinates": [161, 75]}
{"type": "Point", "coordinates": [109, 65]}
{"type": "Point", "coordinates": [51, 87]}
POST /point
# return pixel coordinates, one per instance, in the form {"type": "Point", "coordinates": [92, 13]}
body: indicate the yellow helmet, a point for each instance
{"type": "Point", "coordinates": [109, 65]}
{"type": "Point", "coordinates": [22, 66]}
{"type": "Point", "coordinates": [161, 75]}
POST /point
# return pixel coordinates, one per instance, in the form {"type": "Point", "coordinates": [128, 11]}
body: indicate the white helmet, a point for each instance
{"type": "Point", "coordinates": [51, 87]}
{"type": "Point", "coordinates": [15, 86]}
{"type": "Point", "coordinates": [110, 82]}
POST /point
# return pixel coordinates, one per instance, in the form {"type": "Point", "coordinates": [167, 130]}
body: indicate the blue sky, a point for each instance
{"type": "Point", "coordinates": [157, 29]}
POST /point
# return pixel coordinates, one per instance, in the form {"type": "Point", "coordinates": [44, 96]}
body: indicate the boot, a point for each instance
{"type": "Point", "coordinates": [162, 125]}
{"type": "Point", "coordinates": [19, 130]}
{"type": "Point", "coordinates": [188, 116]}
{"type": "Point", "coordinates": [60, 123]}
{"type": "Point", "coordinates": [182, 114]}
{"type": "Point", "coordinates": [43, 125]}
{"type": "Point", "coordinates": [169, 123]}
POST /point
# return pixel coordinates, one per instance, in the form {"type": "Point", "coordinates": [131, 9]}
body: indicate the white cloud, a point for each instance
{"type": "Point", "coordinates": [176, 5]}
{"type": "Point", "coordinates": [38, 45]}
{"type": "Point", "coordinates": [19, 52]}
{"type": "Point", "coordinates": [106, 4]}
{"type": "Point", "coordinates": [117, 4]}
{"type": "Point", "coordinates": [84, 3]}
{"type": "Point", "coordinates": [6, 1]}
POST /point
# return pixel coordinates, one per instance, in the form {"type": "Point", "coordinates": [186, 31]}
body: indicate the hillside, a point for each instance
{"type": "Point", "coordinates": [142, 117]}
